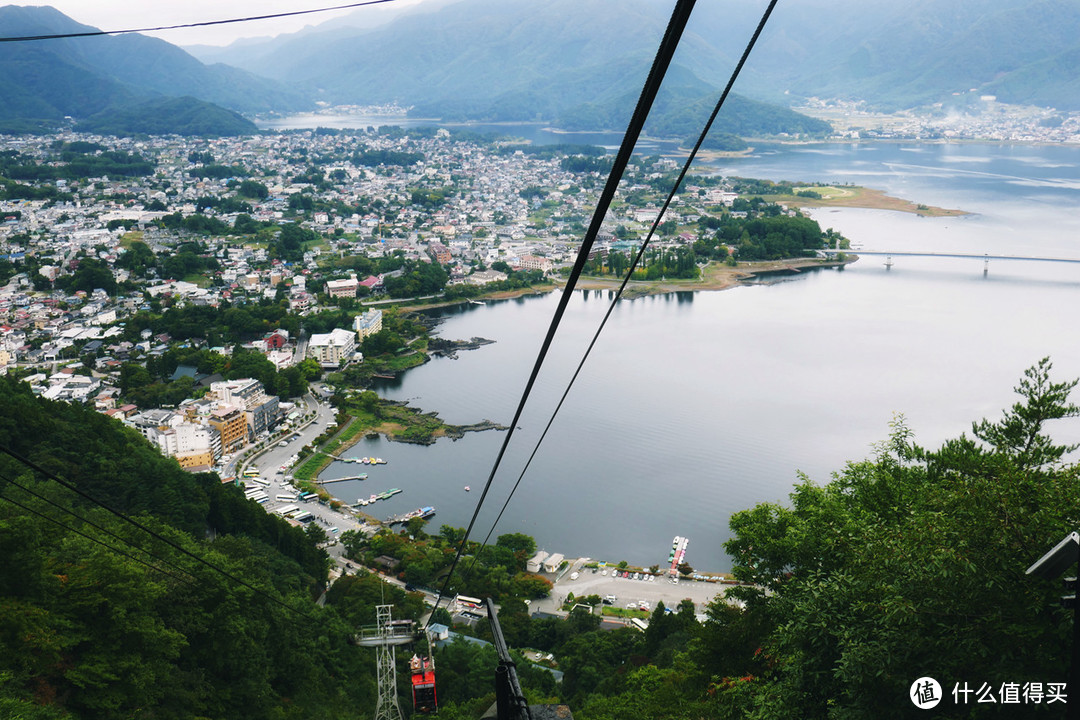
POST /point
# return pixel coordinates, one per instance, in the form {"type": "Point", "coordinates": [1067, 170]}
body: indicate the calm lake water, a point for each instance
{"type": "Point", "coordinates": [696, 405]}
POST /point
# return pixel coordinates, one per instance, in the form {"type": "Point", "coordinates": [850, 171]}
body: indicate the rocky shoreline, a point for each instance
{"type": "Point", "coordinates": [440, 347]}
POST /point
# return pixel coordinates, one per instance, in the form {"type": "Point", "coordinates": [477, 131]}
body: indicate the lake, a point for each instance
{"type": "Point", "coordinates": [696, 405]}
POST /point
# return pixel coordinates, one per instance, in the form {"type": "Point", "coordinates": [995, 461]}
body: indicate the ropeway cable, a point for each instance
{"type": "Point", "coordinates": [92, 539]}
{"type": "Point", "coordinates": [661, 62]}
{"type": "Point", "coordinates": [633, 265]}
{"type": "Point", "coordinates": [96, 33]}
{"type": "Point", "coordinates": [176, 546]}
{"type": "Point", "coordinates": [93, 524]}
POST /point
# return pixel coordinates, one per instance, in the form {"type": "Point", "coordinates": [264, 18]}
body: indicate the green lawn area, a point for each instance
{"type": "Point", "coordinates": [625, 612]}
{"type": "Point", "coordinates": [131, 237]}
{"type": "Point", "coordinates": [197, 279]}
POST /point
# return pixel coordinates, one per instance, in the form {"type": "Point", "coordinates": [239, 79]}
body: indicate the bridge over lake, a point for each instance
{"type": "Point", "coordinates": [985, 257]}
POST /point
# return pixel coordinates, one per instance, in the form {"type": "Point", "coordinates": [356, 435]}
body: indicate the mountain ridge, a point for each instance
{"type": "Point", "coordinates": [44, 81]}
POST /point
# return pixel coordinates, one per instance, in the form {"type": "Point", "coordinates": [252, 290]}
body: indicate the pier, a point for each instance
{"type": "Point", "coordinates": [386, 495]}
{"type": "Point", "coordinates": [360, 461]}
{"type": "Point", "coordinates": [362, 476]}
{"type": "Point", "coordinates": [424, 512]}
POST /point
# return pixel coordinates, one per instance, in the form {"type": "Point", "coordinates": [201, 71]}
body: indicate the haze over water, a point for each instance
{"type": "Point", "coordinates": [697, 405]}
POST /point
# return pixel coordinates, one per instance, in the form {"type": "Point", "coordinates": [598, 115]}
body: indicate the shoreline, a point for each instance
{"type": "Point", "coordinates": [715, 276]}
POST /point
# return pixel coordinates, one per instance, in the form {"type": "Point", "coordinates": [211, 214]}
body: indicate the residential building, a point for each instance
{"type": "Point", "coordinates": [536, 562]}
{"type": "Point", "coordinates": [373, 283]}
{"type": "Point", "coordinates": [332, 348]}
{"type": "Point", "coordinates": [483, 277]}
{"type": "Point", "coordinates": [231, 424]}
{"type": "Point", "coordinates": [342, 288]}
{"type": "Point", "coordinates": [441, 253]}
{"type": "Point", "coordinates": [368, 324]}
{"type": "Point", "coordinates": [261, 410]}
{"type": "Point", "coordinates": [532, 262]}
{"type": "Point", "coordinates": [552, 562]}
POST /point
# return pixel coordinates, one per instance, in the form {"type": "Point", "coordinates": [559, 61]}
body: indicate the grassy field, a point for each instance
{"type": "Point", "coordinates": [625, 612]}
{"type": "Point", "coordinates": [196, 279]}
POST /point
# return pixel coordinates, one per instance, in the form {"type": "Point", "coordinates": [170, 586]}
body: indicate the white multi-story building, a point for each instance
{"type": "Point", "coordinates": [368, 324]}
{"type": "Point", "coordinates": [332, 348]}
{"type": "Point", "coordinates": [532, 262]}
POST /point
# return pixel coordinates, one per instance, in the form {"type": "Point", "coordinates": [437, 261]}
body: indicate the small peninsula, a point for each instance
{"type": "Point", "coordinates": [854, 196]}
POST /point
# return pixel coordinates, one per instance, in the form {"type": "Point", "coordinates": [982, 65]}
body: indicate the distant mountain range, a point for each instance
{"type": "Point", "coordinates": [890, 54]}
{"type": "Point", "coordinates": [577, 64]}
{"type": "Point", "coordinates": [41, 82]}
{"type": "Point", "coordinates": [916, 53]}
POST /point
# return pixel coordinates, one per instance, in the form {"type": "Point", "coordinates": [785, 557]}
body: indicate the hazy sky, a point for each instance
{"type": "Point", "coordinates": [133, 14]}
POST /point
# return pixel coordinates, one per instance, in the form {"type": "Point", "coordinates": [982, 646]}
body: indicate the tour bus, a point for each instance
{"type": "Point", "coordinates": [469, 602]}
{"type": "Point", "coordinates": [286, 496]}
{"type": "Point", "coordinates": [287, 510]}
{"type": "Point", "coordinates": [307, 496]}
{"type": "Point", "coordinates": [639, 623]}
{"type": "Point", "coordinates": [304, 517]}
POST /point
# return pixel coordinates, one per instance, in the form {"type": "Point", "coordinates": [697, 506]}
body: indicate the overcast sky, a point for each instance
{"type": "Point", "coordinates": [134, 14]}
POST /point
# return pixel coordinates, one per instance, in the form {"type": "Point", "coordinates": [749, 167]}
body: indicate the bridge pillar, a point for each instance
{"type": "Point", "coordinates": [986, 266]}
{"type": "Point", "coordinates": [888, 262]}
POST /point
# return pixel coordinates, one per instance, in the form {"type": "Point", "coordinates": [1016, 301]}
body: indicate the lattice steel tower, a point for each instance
{"type": "Point", "coordinates": [384, 637]}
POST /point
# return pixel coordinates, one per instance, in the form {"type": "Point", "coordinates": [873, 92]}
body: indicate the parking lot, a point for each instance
{"type": "Point", "coordinates": [628, 590]}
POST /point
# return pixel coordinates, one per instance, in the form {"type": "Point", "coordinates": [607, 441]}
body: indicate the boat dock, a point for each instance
{"type": "Point", "coordinates": [678, 554]}
{"type": "Point", "coordinates": [385, 495]}
{"type": "Point", "coordinates": [361, 461]}
{"type": "Point", "coordinates": [361, 476]}
{"type": "Point", "coordinates": [424, 512]}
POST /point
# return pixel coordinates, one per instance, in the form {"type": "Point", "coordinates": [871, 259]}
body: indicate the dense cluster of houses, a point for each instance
{"type": "Point", "coordinates": [463, 204]}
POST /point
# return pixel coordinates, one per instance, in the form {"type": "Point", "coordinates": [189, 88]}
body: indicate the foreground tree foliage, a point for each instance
{"type": "Point", "coordinates": [909, 564]}
{"type": "Point", "coordinates": [99, 619]}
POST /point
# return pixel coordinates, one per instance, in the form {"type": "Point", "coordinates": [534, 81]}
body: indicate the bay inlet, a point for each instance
{"type": "Point", "coordinates": [697, 405]}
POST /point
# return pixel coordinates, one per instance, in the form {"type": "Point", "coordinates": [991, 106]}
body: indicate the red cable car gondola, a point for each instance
{"type": "Point", "coordinates": [423, 684]}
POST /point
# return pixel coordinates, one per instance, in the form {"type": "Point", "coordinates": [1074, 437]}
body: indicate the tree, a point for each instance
{"type": "Point", "coordinates": [521, 545]}
{"type": "Point", "coordinates": [415, 527]}
{"type": "Point", "coordinates": [253, 189]}
{"type": "Point", "coordinates": [1020, 432]}
{"type": "Point", "coordinates": [89, 276]}
{"type": "Point", "coordinates": [369, 403]}
{"type": "Point", "coordinates": [913, 558]}
{"type": "Point", "coordinates": [138, 258]}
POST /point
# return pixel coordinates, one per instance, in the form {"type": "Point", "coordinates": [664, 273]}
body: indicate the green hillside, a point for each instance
{"type": "Point", "coordinates": [179, 116]}
{"type": "Point", "coordinates": [88, 632]}
{"type": "Point", "coordinates": [42, 82]}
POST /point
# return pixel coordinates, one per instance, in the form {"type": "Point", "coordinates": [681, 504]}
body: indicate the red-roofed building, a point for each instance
{"type": "Point", "coordinates": [275, 340]}
{"type": "Point", "coordinates": [372, 283]}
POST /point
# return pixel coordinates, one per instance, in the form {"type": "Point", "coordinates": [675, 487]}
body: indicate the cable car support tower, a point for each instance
{"type": "Point", "coordinates": [384, 637]}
